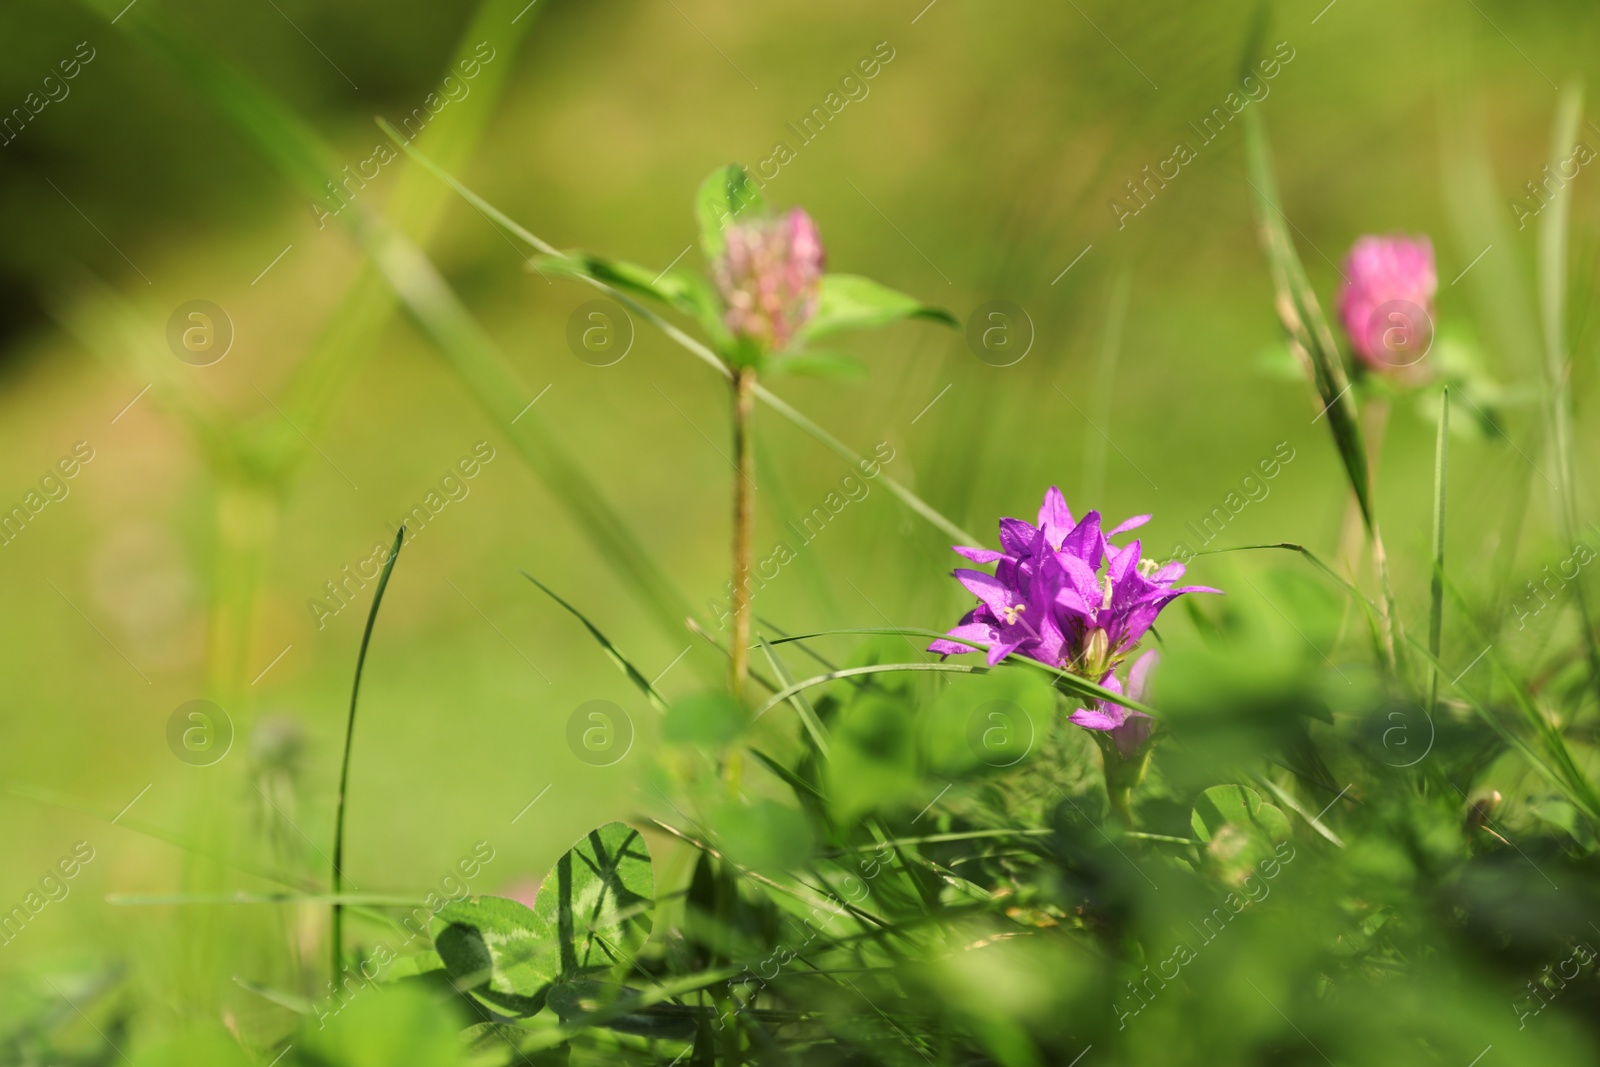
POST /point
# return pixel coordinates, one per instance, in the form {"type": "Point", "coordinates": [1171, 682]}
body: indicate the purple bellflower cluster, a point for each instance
{"type": "Point", "coordinates": [1048, 600]}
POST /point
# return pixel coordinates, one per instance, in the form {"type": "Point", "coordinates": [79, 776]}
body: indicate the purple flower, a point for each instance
{"type": "Point", "coordinates": [1128, 728]}
{"type": "Point", "coordinates": [769, 275]}
{"type": "Point", "coordinates": [1048, 600]}
{"type": "Point", "coordinates": [1386, 302]}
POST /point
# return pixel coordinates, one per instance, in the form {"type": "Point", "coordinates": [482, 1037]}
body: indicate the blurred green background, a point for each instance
{"type": "Point", "coordinates": [979, 165]}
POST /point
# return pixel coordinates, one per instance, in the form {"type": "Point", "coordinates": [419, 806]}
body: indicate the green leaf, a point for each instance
{"type": "Point", "coordinates": [336, 932]}
{"type": "Point", "coordinates": [709, 720]}
{"type": "Point", "coordinates": [688, 293]}
{"type": "Point", "coordinates": [725, 195]}
{"type": "Point", "coordinates": [1239, 805]}
{"type": "Point", "coordinates": [986, 723]}
{"type": "Point", "coordinates": [501, 950]}
{"type": "Point", "coordinates": [593, 912]}
{"type": "Point", "coordinates": [1240, 829]}
{"type": "Point", "coordinates": [1064, 680]}
{"type": "Point", "coordinates": [850, 302]}
{"type": "Point", "coordinates": [601, 899]}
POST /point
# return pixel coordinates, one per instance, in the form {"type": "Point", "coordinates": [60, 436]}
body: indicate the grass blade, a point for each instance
{"type": "Point", "coordinates": [1288, 800]}
{"type": "Point", "coordinates": [853, 672]}
{"type": "Point", "coordinates": [386, 900]}
{"type": "Point", "coordinates": [1550, 756]}
{"type": "Point", "coordinates": [1441, 456]}
{"type": "Point", "coordinates": [1312, 341]}
{"type": "Point", "coordinates": [1081, 686]}
{"type": "Point", "coordinates": [611, 650]}
{"type": "Point", "coordinates": [802, 706]}
{"type": "Point", "coordinates": [1309, 335]}
{"type": "Point", "coordinates": [804, 791]}
{"type": "Point", "coordinates": [337, 934]}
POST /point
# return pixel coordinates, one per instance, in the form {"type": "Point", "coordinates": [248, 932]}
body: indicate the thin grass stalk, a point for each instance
{"type": "Point", "coordinates": [1388, 612]}
{"type": "Point", "coordinates": [744, 398]}
{"type": "Point", "coordinates": [336, 931]}
{"type": "Point", "coordinates": [1311, 340]}
{"type": "Point", "coordinates": [1441, 456]}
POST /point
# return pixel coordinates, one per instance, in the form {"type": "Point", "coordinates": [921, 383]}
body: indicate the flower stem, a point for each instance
{"type": "Point", "coordinates": [1388, 612]}
{"type": "Point", "coordinates": [744, 398]}
{"type": "Point", "coordinates": [336, 934]}
{"type": "Point", "coordinates": [1123, 775]}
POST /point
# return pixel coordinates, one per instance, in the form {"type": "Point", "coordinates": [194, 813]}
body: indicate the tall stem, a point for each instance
{"type": "Point", "coordinates": [1380, 558]}
{"type": "Point", "coordinates": [744, 398]}
{"type": "Point", "coordinates": [336, 933]}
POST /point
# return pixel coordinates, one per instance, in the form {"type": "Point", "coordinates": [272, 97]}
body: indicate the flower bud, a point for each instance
{"type": "Point", "coordinates": [1096, 650]}
{"type": "Point", "coordinates": [1386, 302]}
{"type": "Point", "coordinates": [769, 276]}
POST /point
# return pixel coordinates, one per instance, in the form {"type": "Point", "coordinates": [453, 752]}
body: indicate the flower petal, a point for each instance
{"type": "Point", "coordinates": [1139, 674]}
{"type": "Point", "coordinates": [1055, 518]}
{"type": "Point", "coordinates": [1017, 537]}
{"type": "Point", "coordinates": [1128, 524]}
{"type": "Point", "coordinates": [1086, 541]}
{"type": "Point", "coordinates": [981, 634]}
{"type": "Point", "coordinates": [1124, 561]}
{"type": "Point", "coordinates": [1134, 731]}
{"type": "Point", "coordinates": [1081, 578]}
{"type": "Point", "coordinates": [979, 555]}
{"type": "Point", "coordinates": [1101, 717]}
{"type": "Point", "coordinates": [1000, 650]}
{"type": "Point", "coordinates": [987, 588]}
{"type": "Point", "coordinates": [1168, 573]}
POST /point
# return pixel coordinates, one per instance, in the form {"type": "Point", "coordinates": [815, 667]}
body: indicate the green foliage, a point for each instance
{"type": "Point", "coordinates": [726, 196]}
{"type": "Point", "coordinates": [680, 290]}
{"type": "Point", "coordinates": [501, 950]}
{"type": "Point", "coordinates": [848, 302]}
{"type": "Point", "coordinates": [592, 914]}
